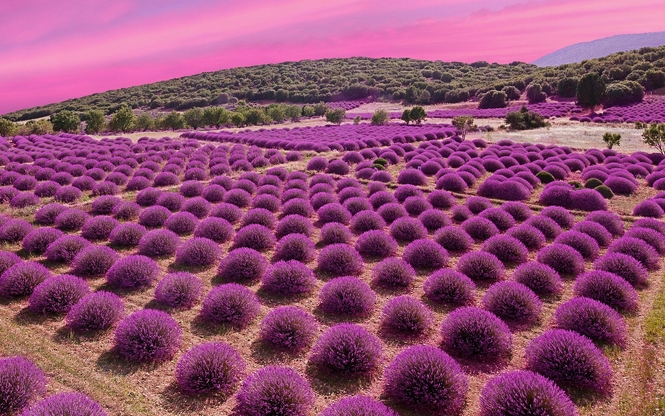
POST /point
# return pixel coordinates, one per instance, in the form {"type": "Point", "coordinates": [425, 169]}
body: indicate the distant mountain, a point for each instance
{"type": "Point", "coordinates": [601, 47]}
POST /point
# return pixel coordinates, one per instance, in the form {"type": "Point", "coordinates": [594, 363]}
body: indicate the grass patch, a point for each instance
{"type": "Point", "coordinates": [654, 324]}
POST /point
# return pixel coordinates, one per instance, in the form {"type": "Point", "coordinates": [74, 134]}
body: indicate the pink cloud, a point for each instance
{"type": "Point", "coordinates": [52, 51]}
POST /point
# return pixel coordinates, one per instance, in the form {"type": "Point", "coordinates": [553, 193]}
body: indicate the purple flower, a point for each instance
{"type": "Point", "coordinates": [148, 335]}
{"type": "Point", "coordinates": [213, 367]}
{"type": "Point", "coordinates": [348, 350]}
{"type": "Point", "coordinates": [275, 390]}
{"type": "Point", "coordinates": [288, 328]}
{"type": "Point", "coordinates": [96, 311]}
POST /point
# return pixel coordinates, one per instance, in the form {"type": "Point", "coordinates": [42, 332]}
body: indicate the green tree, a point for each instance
{"type": "Point", "coordinates": [255, 116]}
{"type": "Point", "coordinates": [212, 116]}
{"type": "Point", "coordinates": [654, 136]}
{"type": "Point", "coordinates": [567, 87]}
{"type": "Point", "coordinates": [144, 122]}
{"type": "Point", "coordinates": [194, 117]}
{"type": "Point", "coordinates": [281, 95]}
{"type": "Point", "coordinates": [356, 120]}
{"type": "Point", "coordinates": [406, 116]}
{"type": "Point", "coordinates": [590, 91]}
{"type": "Point", "coordinates": [7, 127]}
{"type": "Point", "coordinates": [277, 112]}
{"type": "Point", "coordinates": [321, 109]}
{"type": "Point", "coordinates": [535, 94]}
{"type": "Point", "coordinates": [174, 121]}
{"type": "Point", "coordinates": [512, 93]}
{"type": "Point", "coordinates": [417, 114]}
{"type": "Point", "coordinates": [237, 119]}
{"type": "Point", "coordinates": [308, 111]}
{"type": "Point", "coordinates": [66, 121]}
{"type": "Point", "coordinates": [38, 127]}
{"type": "Point", "coordinates": [336, 116]}
{"type": "Point", "coordinates": [294, 112]}
{"type": "Point", "coordinates": [464, 124]}
{"type": "Point", "coordinates": [380, 117]}
{"type": "Point", "coordinates": [493, 99]}
{"type": "Point", "coordinates": [122, 120]}
{"type": "Point", "coordinates": [612, 139]}
{"type": "Point", "coordinates": [525, 120]}
{"type": "Point", "coordinates": [94, 122]}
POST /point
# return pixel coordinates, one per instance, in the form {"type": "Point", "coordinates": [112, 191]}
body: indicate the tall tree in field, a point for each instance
{"type": "Point", "coordinates": [194, 117]}
{"type": "Point", "coordinates": [94, 122]}
{"type": "Point", "coordinates": [654, 136]}
{"type": "Point", "coordinates": [174, 121]}
{"type": "Point", "coordinates": [590, 91]}
{"type": "Point", "coordinates": [406, 116]}
{"type": "Point", "coordinates": [66, 121]}
{"type": "Point", "coordinates": [417, 114]}
{"type": "Point", "coordinates": [145, 122]}
{"type": "Point", "coordinates": [7, 127]}
{"type": "Point", "coordinates": [336, 116]}
{"type": "Point", "coordinates": [122, 120]}
{"type": "Point", "coordinates": [464, 124]}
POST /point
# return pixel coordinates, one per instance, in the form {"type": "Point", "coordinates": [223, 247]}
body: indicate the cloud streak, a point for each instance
{"type": "Point", "coordinates": [52, 51]}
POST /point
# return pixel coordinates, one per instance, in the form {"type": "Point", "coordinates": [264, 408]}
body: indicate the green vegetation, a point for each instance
{"type": "Point", "coordinates": [612, 139]}
{"type": "Point", "coordinates": [493, 99]}
{"type": "Point", "coordinates": [380, 118]}
{"type": "Point", "coordinates": [335, 116]}
{"type": "Point", "coordinates": [65, 121]}
{"type": "Point", "coordinates": [623, 92]}
{"type": "Point", "coordinates": [525, 120]}
{"type": "Point", "coordinates": [7, 127]}
{"type": "Point", "coordinates": [545, 177]}
{"type": "Point", "coordinates": [590, 90]}
{"type": "Point", "coordinates": [94, 122]}
{"type": "Point", "coordinates": [593, 183]}
{"type": "Point", "coordinates": [464, 124]}
{"type": "Point", "coordinates": [416, 114]}
{"type": "Point", "coordinates": [535, 94]}
{"type": "Point", "coordinates": [654, 325]}
{"type": "Point", "coordinates": [605, 191]}
{"type": "Point", "coordinates": [654, 136]}
{"type": "Point", "coordinates": [122, 120]}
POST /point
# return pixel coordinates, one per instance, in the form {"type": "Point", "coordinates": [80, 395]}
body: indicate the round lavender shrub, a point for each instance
{"type": "Point", "coordinates": [393, 273]}
{"type": "Point", "coordinates": [303, 208]}
{"type": "Point", "coordinates": [335, 233]}
{"type": "Point", "coordinates": [198, 252]}
{"type": "Point", "coordinates": [15, 230]}
{"type": "Point", "coordinates": [571, 361]}
{"type": "Point", "coordinates": [276, 391]}
{"type": "Point", "coordinates": [358, 406]}
{"type": "Point", "coordinates": [427, 380]}
{"type": "Point", "coordinates": [7, 260]}
{"type": "Point", "coordinates": [608, 288]}
{"type": "Point", "coordinates": [180, 290]}
{"type": "Point", "coordinates": [637, 249]}
{"type": "Point", "coordinates": [406, 316]}
{"type": "Point", "coordinates": [216, 229]}
{"type": "Point", "coordinates": [254, 236]}
{"type": "Point", "coordinates": [148, 197]}
{"type": "Point", "coordinates": [348, 350]}
{"type": "Point", "coordinates": [154, 216]}
{"type": "Point", "coordinates": [126, 211]}
{"type": "Point", "coordinates": [609, 220]}
{"type": "Point", "coordinates": [449, 287]}
{"type": "Point", "coordinates": [104, 205]}
{"type": "Point", "coordinates": [182, 223]}
{"type": "Point", "coordinates": [518, 210]}
{"type": "Point", "coordinates": [38, 240]}
{"type": "Point", "coordinates": [650, 223]}
{"type": "Point", "coordinates": [230, 304]}
{"type": "Point", "coordinates": [22, 278]}
{"type": "Point", "coordinates": [412, 177]}
{"type": "Point", "coordinates": [94, 260]}
{"type": "Point", "coordinates": [132, 272]}
{"type": "Point", "coordinates": [585, 245]}
{"type": "Point", "coordinates": [547, 226]}
{"type": "Point", "coordinates": [197, 206]}
{"type": "Point", "coordinates": [171, 201]}
{"type": "Point", "coordinates": [540, 278]}
{"type": "Point", "coordinates": [57, 294]}
{"type": "Point", "coordinates": [288, 278]}
{"type": "Point", "coordinates": [366, 221]}
{"type": "Point", "coordinates": [242, 265]}
{"type": "Point", "coordinates": [212, 367]}
{"type": "Point", "coordinates": [46, 214]}
{"type": "Point", "coordinates": [595, 231]}
{"type": "Point", "coordinates": [238, 197]}
{"type": "Point", "coordinates": [434, 219]}
{"type": "Point", "coordinates": [157, 243]}
{"type": "Point", "coordinates": [148, 335]}
{"type": "Point", "coordinates": [295, 247]}
{"type": "Point", "coordinates": [288, 328]}
{"type": "Point", "coordinates": [560, 215]}
{"type": "Point", "coordinates": [294, 224]}
{"type": "Point", "coordinates": [500, 218]}
{"type": "Point", "coordinates": [513, 302]}
{"type": "Point", "coordinates": [334, 212]}
{"type": "Point", "coordinates": [376, 243]}
{"type": "Point", "coordinates": [68, 194]}
{"type": "Point", "coordinates": [407, 229]}
{"type": "Point", "coordinates": [476, 334]}
{"type": "Point", "coordinates": [98, 228]}
{"type": "Point", "coordinates": [47, 189]}
{"type": "Point", "coordinates": [340, 260]}
{"type": "Point", "coordinates": [507, 249]}
{"type": "Point", "coordinates": [425, 254]}
{"type": "Point", "coordinates": [71, 219]}
{"type": "Point", "coordinates": [524, 393]}
{"type": "Point", "coordinates": [480, 266]}
{"type": "Point", "coordinates": [391, 212]}
{"type": "Point", "coordinates": [21, 381]}
{"type": "Point", "coordinates": [453, 239]}
{"type": "Point", "coordinates": [480, 228]}
{"type": "Point", "coordinates": [62, 404]}
{"type": "Point", "coordinates": [648, 208]}
{"type": "Point", "coordinates": [624, 266]}
{"type": "Point", "coordinates": [347, 296]}
{"type": "Point", "coordinates": [564, 259]}
{"type": "Point", "coordinates": [65, 248]}
{"type": "Point", "coordinates": [649, 236]}
{"type": "Point", "coordinates": [127, 235]}
{"type": "Point", "coordinates": [441, 199]}
{"type": "Point", "coordinates": [593, 319]}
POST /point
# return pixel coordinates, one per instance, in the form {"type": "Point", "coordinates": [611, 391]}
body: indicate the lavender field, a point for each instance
{"type": "Point", "coordinates": [329, 270]}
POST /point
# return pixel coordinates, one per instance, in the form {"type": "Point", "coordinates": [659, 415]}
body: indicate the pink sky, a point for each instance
{"type": "Point", "coordinates": [55, 50]}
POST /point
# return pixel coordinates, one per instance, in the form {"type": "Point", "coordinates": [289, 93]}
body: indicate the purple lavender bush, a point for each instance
{"type": "Point", "coordinates": [212, 367]}
{"type": "Point", "coordinates": [348, 350]}
{"type": "Point", "coordinates": [358, 405]}
{"type": "Point", "coordinates": [541, 279]}
{"type": "Point", "coordinates": [95, 312]}
{"type": "Point", "coordinates": [148, 335]}
{"type": "Point", "coordinates": [57, 294]}
{"type": "Point", "coordinates": [347, 296]}
{"type": "Point", "coordinates": [288, 278]}
{"type": "Point", "coordinates": [625, 266]}
{"type": "Point", "coordinates": [22, 278]}
{"type": "Point", "coordinates": [133, 271]}
{"type": "Point", "coordinates": [425, 254]}
{"type": "Point", "coordinates": [406, 316]}
{"type": "Point", "coordinates": [480, 265]}
{"type": "Point", "coordinates": [393, 273]}
{"type": "Point", "coordinates": [230, 304]}
{"type": "Point", "coordinates": [66, 404]}
{"type": "Point", "coordinates": [288, 328]}
{"type": "Point", "coordinates": [564, 259]}
{"type": "Point", "coordinates": [513, 302]}
{"type": "Point", "coordinates": [608, 288]}
{"type": "Point", "coordinates": [21, 381]}
{"type": "Point", "coordinates": [275, 390]}
{"type": "Point", "coordinates": [340, 260]}
{"type": "Point", "coordinates": [476, 334]}
{"type": "Point", "coordinates": [593, 319]}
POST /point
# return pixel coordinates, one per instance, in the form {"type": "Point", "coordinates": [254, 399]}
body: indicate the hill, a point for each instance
{"type": "Point", "coordinates": [396, 79]}
{"type": "Point", "coordinates": [601, 47]}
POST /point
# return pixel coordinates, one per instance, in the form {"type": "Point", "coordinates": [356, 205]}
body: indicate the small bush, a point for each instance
{"type": "Point", "coordinates": [624, 266]}
{"type": "Point", "coordinates": [560, 215]}
{"type": "Point", "coordinates": [46, 214]}
{"type": "Point", "coordinates": [507, 249]}
{"type": "Point", "coordinates": [182, 223]}
{"type": "Point", "coordinates": [406, 316]}
{"type": "Point", "coordinates": [171, 201]}
{"type": "Point", "coordinates": [294, 224]}
{"type": "Point", "coordinates": [132, 272]}
{"type": "Point", "coordinates": [158, 243]}
{"type": "Point", "coordinates": [198, 252]}
{"type": "Point", "coordinates": [523, 393]}
{"type": "Point", "coordinates": [610, 221]}
{"type": "Point", "coordinates": [480, 266]}
{"type": "Point", "coordinates": [335, 233]}
{"type": "Point", "coordinates": [414, 379]}
{"type": "Point", "coordinates": [126, 211]}
{"type": "Point", "coordinates": [376, 243]}
{"type": "Point", "coordinates": [7, 260]}
{"type": "Point", "coordinates": [480, 228]}
{"type": "Point", "coordinates": [230, 304]}
{"type": "Point", "coordinates": [637, 249]}
{"type": "Point", "coordinates": [518, 210]}
{"type": "Point", "coordinates": [393, 273]}
{"type": "Point", "coordinates": [433, 219]}
{"type": "Point", "coordinates": [288, 278]}
{"type": "Point", "coordinates": [66, 404]}
{"type": "Point", "coordinates": [475, 334]}
{"type": "Point", "coordinates": [571, 361]}
{"type": "Point", "coordinates": [449, 287]}
{"type": "Point", "coordinates": [22, 381]}
{"type": "Point", "coordinates": [154, 216]}
{"type": "Point", "coordinates": [275, 390]}
{"type": "Point", "coordinates": [127, 235]}
{"type": "Point", "coordinates": [148, 335]}
{"type": "Point", "coordinates": [564, 259]}
{"type": "Point", "coordinates": [595, 231]}
{"type": "Point", "coordinates": [179, 290]}
{"type": "Point", "coordinates": [38, 240]}
{"type": "Point", "coordinates": [545, 225]}
{"type": "Point", "coordinates": [254, 236]}
{"type": "Point", "coordinates": [425, 254]}
{"type": "Point", "coordinates": [347, 296]}
{"type": "Point", "coordinates": [391, 212]}
{"type": "Point", "coordinates": [212, 367]}
{"type": "Point", "coordinates": [540, 278]}
{"type": "Point", "coordinates": [242, 265]}
{"type": "Point", "coordinates": [608, 288]}
{"type": "Point", "coordinates": [288, 328]}
{"type": "Point", "coordinates": [347, 349]}
{"type": "Point", "coordinates": [15, 230]}
{"type": "Point", "coordinates": [366, 221]}
{"type": "Point", "coordinates": [57, 294]}
{"type": "Point", "coordinates": [340, 260]}
{"type": "Point", "coordinates": [453, 239]}
{"type": "Point", "coordinates": [512, 302]}
{"type": "Point", "coordinates": [68, 194]}
{"type": "Point", "coordinates": [71, 219]}
{"type": "Point", "coordinates": [295, 247]}
{"type": "Point", "coordinates": [649, 236]}
{"type": "Point", "coordinates": [358, 405]}
{"type": "Point", "coordinates": [65, 248]}
{"type": "Point", "coordinates": [334, 212]}
{"type": "Point", "coordinates": [593, 319]}
{"type": "Point", "coordinates": [94, 261]}
{"type": "Point", "coordinates": [582, 243]}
